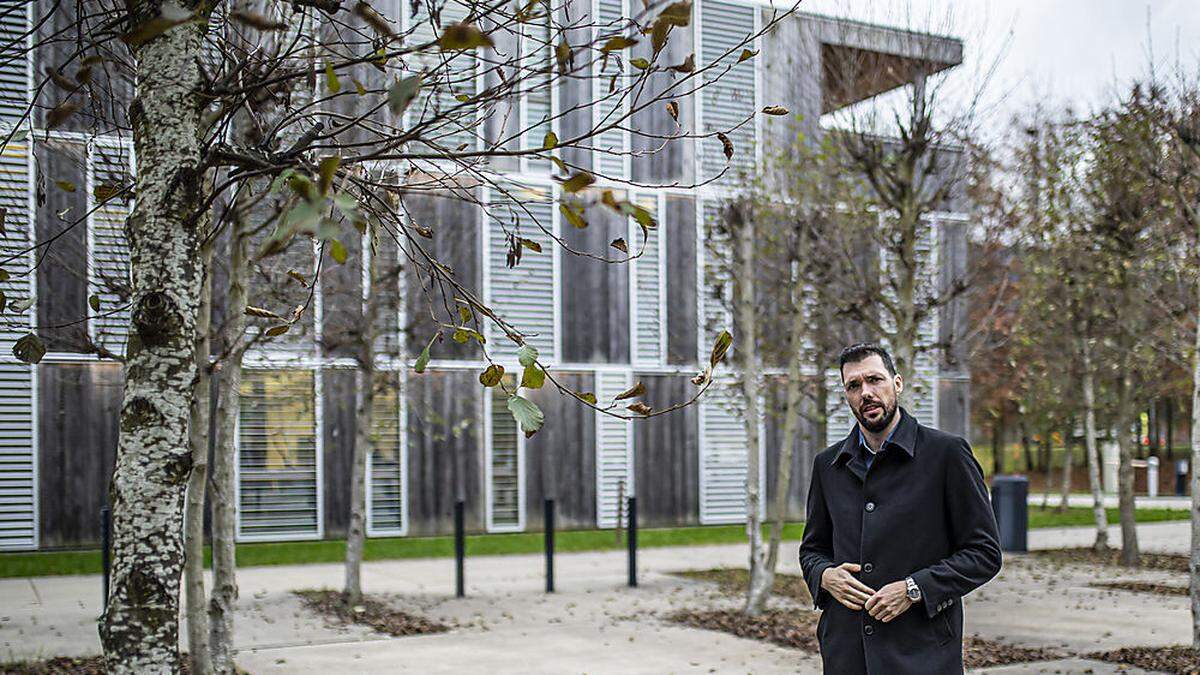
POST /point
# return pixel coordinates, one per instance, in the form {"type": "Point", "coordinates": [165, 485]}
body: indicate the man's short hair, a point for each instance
{"type": "Point", "coordinates": [862, 351]}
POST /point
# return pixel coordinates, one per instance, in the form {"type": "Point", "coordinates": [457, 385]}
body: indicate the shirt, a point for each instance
{"type": "Point", "coordinates": [869, 455]}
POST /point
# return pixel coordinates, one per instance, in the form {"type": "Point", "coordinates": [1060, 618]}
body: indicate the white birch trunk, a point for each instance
{"type": "Point", "coordinates": [1068, 461]}
{"type": "Point", "coordinates": [196, 599]}
{"type": "Point", "coordinates": [761, 577]}
{"type": "Point", "coordinates": [356, 534]}
{"type": "Point", "coordinates": [1093, 451]}
{"type": "Point", "coordinates": [139, 630]}
{"type": "Point", "coordinates": [223, 600]}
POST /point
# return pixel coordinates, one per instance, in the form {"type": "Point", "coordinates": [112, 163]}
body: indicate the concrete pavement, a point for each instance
{"type": "Point", "coordinates": [594, 623]}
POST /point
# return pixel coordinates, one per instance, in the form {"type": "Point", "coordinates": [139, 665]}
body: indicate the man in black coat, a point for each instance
{"type": "Point", "coordinates": [899, 528]}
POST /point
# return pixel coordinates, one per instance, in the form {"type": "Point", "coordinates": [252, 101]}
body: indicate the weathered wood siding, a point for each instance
{"type": "Point", "coordinates": [595, 294]}
{"type": "Point", "coordinates": [456, 243]}
{"type": "Point", "coordinates": [77, 445]}
{"type": "Point", "coordinates": [560, 460]}
{"type": "Point", "coordinates": [667, 456]}
{"type": "Point", "coordinates": [445, 450]}
{"type": "Point", "coordinates": [680, 223]}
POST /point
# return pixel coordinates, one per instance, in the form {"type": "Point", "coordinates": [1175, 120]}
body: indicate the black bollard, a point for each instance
{"type": "Point", "coordinates": [460, 548]}
{"type": "Point", "coordinates": [549, 515]}
{"type": "Point", "coordinates": [631, 517]}
{"type": "Point", "coordinates": [1181, 474]}
{"type": "Point", "coordinates": [105, 548]}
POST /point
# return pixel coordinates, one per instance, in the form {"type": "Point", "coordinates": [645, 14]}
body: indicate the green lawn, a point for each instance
{"type": "Point", "coordinates": [292, 553]}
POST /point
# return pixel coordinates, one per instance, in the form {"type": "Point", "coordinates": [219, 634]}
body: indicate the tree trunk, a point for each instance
{"type": "Point", "coordinates": [1194, 562]}
{"type": "Point", "coordinates": [761, 577]}
{"type": "Point", "coordinates": [1026, 446]}
{"type": "Point", "coordinates": [1047, 453]}
{"type": "Point", "coordinates": [197, 617]}
{"type": "Point", "coordinates": [791, 427]}
{"type": "Point", "coordinates": [1093, 451]}
{"type": "Point", "coordinates": [997, 446]}
{"type": "Point", "coordinates": [363, 439]}
{"type": "Point", "coordinates": [139, 630]}
{"type": "Point", "coordinates": [1068, 462]}
{"type": "Point", "coordinates": [1126, 414]}
{"type": "Point", "coordinates": [224, 596]}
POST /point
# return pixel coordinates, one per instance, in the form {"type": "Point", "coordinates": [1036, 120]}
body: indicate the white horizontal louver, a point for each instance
{"type": "Point", "coordinates": [536, 58]}
{"type": "Point", "coordinates": [921, 383]}
{"type": "Point", "coordinates": [14, 62]}
{"type": "Point", "coordinates": [522, 295]}
{"type": "Point", "coordinates": [649, 301]}
{"type": "Point", "coordinates": [727, 97]}
{"type": "Point", "coordinates": [18, 458]}
{"type": "Point", "coordinates": [722, 456]}
{"type": "Point", "coordinates": [387, 464]}
{"type": "Point", "coordinates": [504, 465]}
{"type": "Point", "coordinates": [610, 146]}
{"type": "Point", "coordinates": [614, 452]}
{"type": "Point", "coordinates": [278, 461]}
{"type": "Point", "coordinates": [450, 123]}
{"type": "Point", "coordinates": [110, 172]}
{"type": "Point", "coordinates": [839, 420]}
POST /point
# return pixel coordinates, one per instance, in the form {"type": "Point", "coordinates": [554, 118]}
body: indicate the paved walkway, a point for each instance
{"type": "Point", "coordinates": [594, 623]}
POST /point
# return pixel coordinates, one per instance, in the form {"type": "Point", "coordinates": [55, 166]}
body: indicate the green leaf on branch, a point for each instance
{"type": "Point", "coordinates": [677, 14]}
{"type": "Point", "coordinates": [338, 252]}
{"type": "Point", "coordinates": [616, 44]}
{"type": "Point", "coordinates": [747, 54]}
{"type": "Point", "coordinates": [527, 414]}
{"type": "Point", "coordinates": [573, 214]}
{"type": "Point", "coordinates": [720, 347]}
{"type": "Point", "coordinates": [277, 330]}
{"type": "Point", "coordinates": [640, 408]}
{"type": "Point", "coordinates": [533, 377]}
{"type": "Point", "coordinates": [775, 110]}
{"type": "Point", "coordinates": [531, 245]}
{"type": "Point", "coordinates": [688, 65]}
{"type": "Point", "coordinates": [578, 182]}
{"type": "Point", "coordinates": [423, 358]}
{"type": "Point", "coordinates": [29, 349]}
{"type": "Point", "coordinates": [94, 302]}
{"type": "Point", "coordinates": [461, 36]}
{"type": "Point", "coordinates": [492, 375]}
{"type": "Point", "coordinates": [327, 170]}
{"type": "Point", "coordinates": [639, 63]}
{"type": "Point", "coordinates": [331, 79]}
{"type": "Point", "coordinates": [527, 355]}
{"type": "Point", "coordinates": [402, 92]}
{"type": "Point", "coordinates": [587, 397]}
{"type": "Point", "coordinates": [550, 141]}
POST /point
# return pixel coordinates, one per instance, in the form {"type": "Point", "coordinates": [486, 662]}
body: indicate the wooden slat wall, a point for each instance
{"type": "Point", "coordinates": [667, 457]}
{"type": "Point", "coordinates": [595, 294]}
{"type": "Point", "coordinates": [445, 450]}
{"type": "Point", "coordinates": [808, 442]}
{"type": "Point", "coordinates": [680, 223]}
{"type": "Point", "coordinates": [77, 445]}
{"type": "Point", "coordinates": [456, 242]}
{"type": "Point", "coordinates": [337, 386]}
{"type": "Point", "coordinates": [675, 161]}
{"type": "Point", "coordinates": [560, 461]}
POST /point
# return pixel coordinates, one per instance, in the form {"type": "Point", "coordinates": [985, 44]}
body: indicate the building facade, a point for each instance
{"type": "Point", "coordinates": [440, 437]}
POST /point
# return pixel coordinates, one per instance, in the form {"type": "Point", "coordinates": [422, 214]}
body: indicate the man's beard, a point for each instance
{"type": "Point", "coordinates": [889, 412]}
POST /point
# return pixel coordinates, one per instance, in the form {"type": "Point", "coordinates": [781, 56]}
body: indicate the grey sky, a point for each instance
{"type": "Point", "coordinates": [1076, 53]}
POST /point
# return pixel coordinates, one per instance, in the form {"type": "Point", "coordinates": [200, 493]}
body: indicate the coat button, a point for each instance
{"type": "Point", "coordinates": [868, 629]}
{"type": "Point", "coordinates": [868, 568]}
{"type": "Point", "coordinates": [870, 506]}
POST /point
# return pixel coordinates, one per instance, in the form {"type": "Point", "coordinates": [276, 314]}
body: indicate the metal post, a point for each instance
{"type": "Point", "coordinates": [548, 506]}
{"type": "Point", "coordinates": [106, 547]}
{"type": "Point", "coordinates": [460, 548]}
{"type": "Point", "coordinates": [632, 538]}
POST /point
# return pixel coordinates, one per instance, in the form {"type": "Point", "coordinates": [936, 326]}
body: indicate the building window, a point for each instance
{"type": "Point", "coordinates": [279, 475]}
{"type": "Point", "coordinates": [505, 463]}
{"type": "Point", "coordinates": [387, 464]}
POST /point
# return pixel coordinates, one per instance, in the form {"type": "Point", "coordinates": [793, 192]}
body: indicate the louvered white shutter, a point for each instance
{"type": "Point", "coordinates": [505, 465]}
{"type": "Point", "coordinates": [648, 273]}
{"type": "Point", "coordinates": [723, 455]}
{"type": "Point", "coordinates": [727, 97]}
{"type": "Point", "coordinates": [18, 381]}
{"type": "Point", "coordinates": [279, 462]}
{"type": "Point", "coordinates": [839, 420]}
{"type": "Point", "coordinates": [387, 465]}
{"type": "Point", "coordinates": [611, 145]}
{"type": "Point", "coordinates": [537, 55]}
{"type": "Point", "coordinates": [614, 452]}
{"type": "Point", "coordinates": [456, 76]}
{"type": "Point", "coordinates": [109, 171]}
{"type": "Point", "coordinates": [523, 295]}
{"type": "Point", "coordinates": [921, 386]}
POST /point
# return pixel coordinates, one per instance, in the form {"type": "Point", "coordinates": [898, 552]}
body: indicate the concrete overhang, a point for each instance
{"type": "Point", "coordinates": [860, 60]}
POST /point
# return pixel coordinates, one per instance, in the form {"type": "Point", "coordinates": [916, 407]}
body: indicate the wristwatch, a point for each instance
{"type": "Point", "coordinates": [913, 592]}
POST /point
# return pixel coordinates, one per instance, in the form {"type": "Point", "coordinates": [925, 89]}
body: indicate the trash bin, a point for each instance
{"type": "Point", "coordinates": [1010, 495]}
{"type": "Point", "coordinates": [1181, 471]}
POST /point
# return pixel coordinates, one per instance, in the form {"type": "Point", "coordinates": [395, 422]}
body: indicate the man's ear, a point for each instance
{"type": "Point", "coordinates": [899, 382]}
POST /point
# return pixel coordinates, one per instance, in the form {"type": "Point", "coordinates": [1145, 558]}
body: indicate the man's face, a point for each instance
{"type": "Point", "coordinates": [871, 392]}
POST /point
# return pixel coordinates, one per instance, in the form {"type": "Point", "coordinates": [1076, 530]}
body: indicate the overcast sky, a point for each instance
{"type": "Point", "coordinates": [1076, 53]}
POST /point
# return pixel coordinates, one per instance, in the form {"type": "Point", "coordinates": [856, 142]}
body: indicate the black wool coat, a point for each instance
{"type": "Point", "coordinates": [922, 510]}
